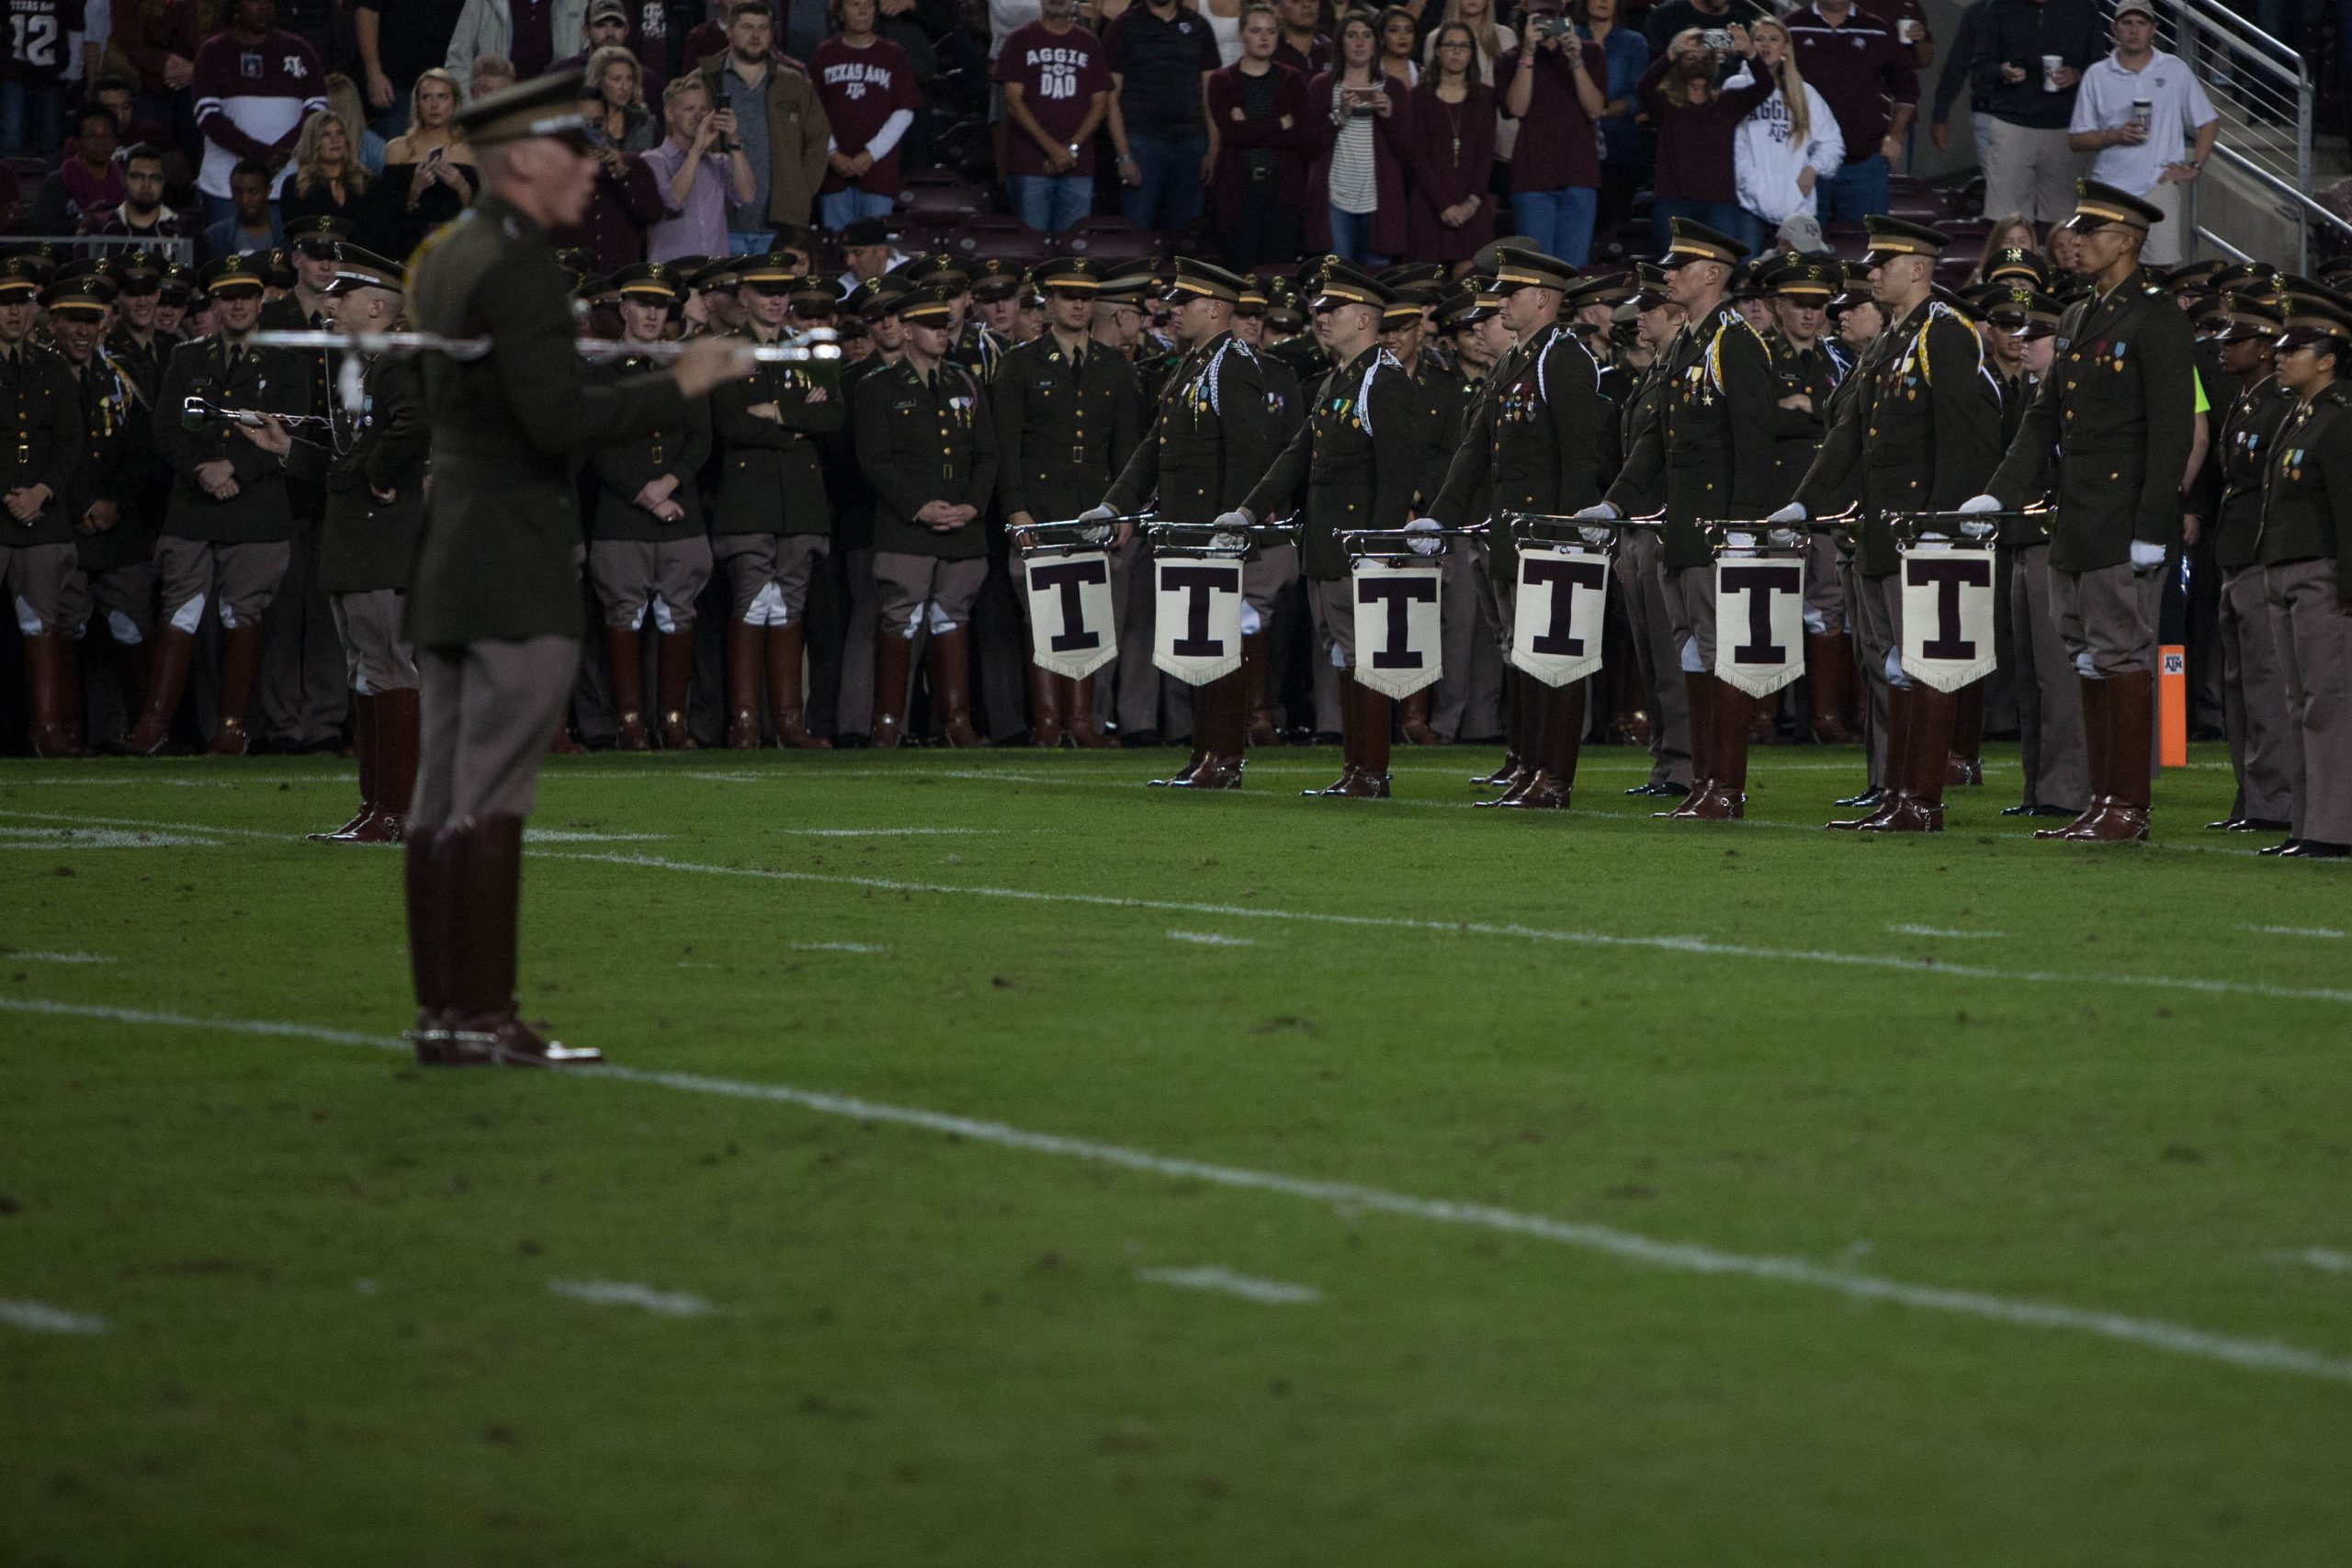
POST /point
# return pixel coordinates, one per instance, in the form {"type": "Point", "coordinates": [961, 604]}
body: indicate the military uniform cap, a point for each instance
{"type": "Point", "coordinates": [1197, 279]}
{"type": "Point", "coordinates": [2098, 205]}
{"type": "Point", "coordinates": [2193, 278]}
{"type": "Point", "coordinates": [140, 265]}
{"type": "Point", "coordinates": [2314, 319]}
{"type": "Point", "coordinates": [177, 282]}
{"type": "Point", "coordinates": [868, 232]}
{"type": "Point", "coordinates": [2333, 269]}
{"type": "Point", "coordinates": [995, 278]}
{"type": "Point", "coordinates": [1411, 304]}
{"type": "Point", "coordinates": [1693, 242]}
{"type": "Point", "coordinates": [1406, 273]}
{"type": "Point", "coordinates": [1958, 305]}
{"type": "Point", "coordinates": [278, 265]}
{"type": "Point", "coordinates": [936, 268]}
{"type": "Point", "coordinates": [37, 254]}
{"type": "Point", "coordinates": [545, 105]}
{"type": "Point", "coordinates": [1125, 288]}
{"type": "Point", "coordinates": [1804, 278]}
{"type": "Point", "coordinates": [355, 267]}
{"type": "Point", "coordinates": [2017, 261]}
{"type": "Point", "coordinates": [1069, 274]}
{"type": "Point", "coordinates": [1649, 286]}
{"type": "Point", "coordinates": [1253, 300]}
{"type": "Point", "coordinates": [877, 297]}
{"type": "Point", "coordinates": [593, 286]}
{"type": "Point", "coordinates": [1897, 237]}
{"type": "Point", "coordinates": [810, 295]}
{"type": "Point", "coordinates": [2018, 307]}
{"type": "Point", "coordinates": [2245, 319]}
{"type": "Point", "coordinates": [1485, 257]}
{"type": "Point", "coordinates": [233, 272]}
{"type": "Point", "coordinates": [1343, 283]}
{"type": "Point", "coordinates": [932, 305]}
{"type": "Point", "coordinates": [1855, 288]}
{"type": "Point", "coordinates": [656, 282]}
{"type": "Point", "coordinates": [2246, 278]}
{"type": "Point", "coordinates": [83, 266]}
{"type": "Point", "coordinates": [1516, 269]}
{"type": "Point", "coordinates": [1753, 279]}
{"type": "Point", "coordinates": [721, 274]}
{"type": "Point", "coordinates": [320, 229]}
{"type": "Point", "coordinates": [89, 291]}
{"type": "Point", "coordinates": [1602, 289]}
{"type": "Point", "coordinates": [2208, 313]}
{"type": "Point", "coordinates": [777, 266]}
{"type": "Point", "coordinates": [1465, 306]}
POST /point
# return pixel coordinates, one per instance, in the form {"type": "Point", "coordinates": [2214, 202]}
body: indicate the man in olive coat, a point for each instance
{"type": "Point", "coordinates": [494, 611]}
{"type": "Point", "coordinates": [40, 452]}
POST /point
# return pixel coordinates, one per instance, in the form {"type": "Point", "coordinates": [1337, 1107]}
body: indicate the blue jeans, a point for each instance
{"type": "Point", "coordinates": [741, 244]}
{"type": "Point", "coordinates": [1169, 196]}
{"type": "Point", "coordinates": [1853, 193]}
{"type": "Point", "coordinates": [1351, 239]}
{"type": "Point", "coordinates": [1051, 203]}
{"type": "Point", "coordinates": [1726, 218]}
{"type": "Point", "coordinates": [837, 209]}
{"type": "Point", "coordinates": [1559, 221]}
{"type": "Point", "coordinates": [32, 119]}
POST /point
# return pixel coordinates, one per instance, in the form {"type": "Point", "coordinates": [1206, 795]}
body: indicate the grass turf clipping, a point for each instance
{"type": "Point", "coordinates": [1005, 1163]}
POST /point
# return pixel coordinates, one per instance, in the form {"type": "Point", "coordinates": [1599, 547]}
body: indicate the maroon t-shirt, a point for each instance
{"type": "Point", "coordinates": [1060, 73]}
{"type": "Point", "coordinates": [861, 89]}
{"type": "Point", "coordinates": [1562, 146]}
{"type": "Point", "coordinates": [532, 47]}
{"type": "Point", "coordinates": [36, 39]}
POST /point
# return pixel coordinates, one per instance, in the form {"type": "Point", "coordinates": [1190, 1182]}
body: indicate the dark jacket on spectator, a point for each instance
{"type": "Point", "coordinates": [1694, 159]}
{"type": "Point", "coordinates": [1392, 147]}
{"type": "Point", "coordinates": [1859, 84]}
{"type": "Point", "coordinates": [1445, 175]}
{"type": "Point", "coordinates": [1225, 90]}
{"type": "Point", "coordinates": [2019, 32]}
{"type": "Point", "coordinates": [618, 215]}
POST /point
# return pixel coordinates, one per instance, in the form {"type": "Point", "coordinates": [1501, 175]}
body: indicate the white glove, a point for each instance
{"type": "Point", "coordinates": [1601, 510]}
{"type": "Point", "coordinates": [2146, 558]}
{"type": "Point", "coordinates": [1594, 535]}
{"type": "Point", "coordinates": [1793, 511]}
{"type": "Point", "coordinates": [1981, 504]}
{"type": "Point", "coordinates": [1784, 539]}
{"type": "Point", "coordinates": [1096, 514]}
{"type": "Point", "coordinates": [1740, 541]}
{"type": "Point", "coordinates": [1424, 547]}
{"type": "Point", "coordinates": [1934, 538]}
{"type": "Point", "coordinates": [1979, 530]}
{"type": "Point", "coordinates": [1236, 518]}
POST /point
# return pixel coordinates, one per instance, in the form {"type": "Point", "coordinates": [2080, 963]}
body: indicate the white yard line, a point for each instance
{"type": "Point", "coordinates": [2321, 932]}
{"type": "Point", "coordinates": [2319, 1258]}
{"type": "Point", "coordinates": [39, 1317]}
{"type": "Point", "coordinates": [1695, 946]}
{"type": "Point", "coordinates": [1902, 930]}
{"type": "Point", "coordinates": [1267, 1293]}
{"type": "Point", "coordinates": [7, 957]}
{"type": "Point", "coordinates": [2252, 1355]}
{"type": "Point", "coordinates": [1212, 939]}
{"type": "Point", "coordinates": [623, 1292]}
{"type": "Point", "coordinates": [882, 832]}
{"type": "Point", "coordinates": [838, 947]}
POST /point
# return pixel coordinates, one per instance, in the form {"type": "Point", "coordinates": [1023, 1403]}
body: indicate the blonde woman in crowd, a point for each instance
{"type": "Point", "coordinates": [429, 174]}
{"type": "Point", "coordinates": [1789, 142]}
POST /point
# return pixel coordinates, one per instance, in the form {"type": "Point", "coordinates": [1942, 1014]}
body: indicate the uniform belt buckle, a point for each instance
{"type": "Point", "coordinates": [1078, 453]}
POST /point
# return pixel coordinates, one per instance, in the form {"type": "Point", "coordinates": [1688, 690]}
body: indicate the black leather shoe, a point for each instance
{"type": "Point", "coordinates": [2259, 825]}
{"type": "Point", "coordinates": [1869, 799]}
{"type": "Point", "coordinates": [2021, 810]}
{"type": "Point", "coordinates": [1665, 789]}
{"type": "Point", "coordinates": [2285, 847]}
{"type": "Point", "coordinates": [2316, 849]}
{"type": "Point", "coordinates": [2226, 825]}
{"type": "Point", "coordinates": [1137, 738]}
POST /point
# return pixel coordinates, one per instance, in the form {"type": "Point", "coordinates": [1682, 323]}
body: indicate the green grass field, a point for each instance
{"type": "Point", "coordinates": [1003, 1162]}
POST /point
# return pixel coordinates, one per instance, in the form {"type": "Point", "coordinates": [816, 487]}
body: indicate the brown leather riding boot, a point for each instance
{"type": "Point", "coordinates": [673, 669]}
{"type": "Point", "coordinates": [1897, 774]}
{"type": "Point", "coordinates": [45, 696]}
{"type": "Point", "coordinates": [363, 747]}
{"type": "Point", "coordinates": [1220, 730]}
{"type": "Point", "coordinates": [950, 663]}
{"type": "Point", "coordinates": [240, 669]}
{"type": "Point", "coordinates": [1078, 715]}
{"type": "Point", "coordinates": [1829, 686]}
{"type": "Point", "coordinates": [1413, 720]}
{"type": "Point", "coordinates": [168, 663]}
{"type": "Point", "coordinates": [1349, 767]}
{"type": "Point", "coordinates": [1045, 707]}
{"type": "Point", "coordinates": [69, 695]}
{"type": "Point", "coordinates": [564, 743]}
{"type": "Point", "coordinates": [1259, 714]}
{"type": "Point", "coordinates": [624, 651]}
{"type": "Point", "coordinates": [1915, 778]}
{"type": "Point", "coordinates": [1375, 718]}
{"type": "Point", "coordinates": [1526, 759]}
{"type": "Point", "coordinates": [786, 715]}
{"type": "Point", "coordinates": [2095, 740]}
{"type": "Point", "coordinates": [1183, 775]}
{"type": "Point", "coordinates": [2131, 738]}
{"type": "Point", "coordinates": [1967, 763]}
{"type": "Point", "coordinates": [396, 730]}
{"type": "Point", "coordinates": [1514, 732]}
{"type": "Point", "coordinates": [1726, 796]}
{"type": "Point", "coordinates": [1701, 689]}
{"type": "Point", "coordinates": [485, 902]}
{"type": "Point", "coordinates": [1553, 780]}
{"type": "Point", "coordinates": [892, 655]}
{"type": "Point", "coordinates": [744, 644]}
{"type": "Point", "coordinates": [426, 879]}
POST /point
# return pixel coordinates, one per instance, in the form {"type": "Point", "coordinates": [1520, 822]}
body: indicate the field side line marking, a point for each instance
{"type": "Point", "coordinates": [627, 1293]}
{"type": "Point", "coordinates": [2259, 1355]}
{"type": "Point", "coordinates": [1210, 1277]}
{"type": "Point", "coordinates": [1702, 946]}
{"type": "Point", "coordinates": [39, 1317]}
{"type": "Point", "coordinates": [145, 825]}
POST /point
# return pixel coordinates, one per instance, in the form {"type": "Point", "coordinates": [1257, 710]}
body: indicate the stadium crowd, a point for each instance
{"type": "Point", "coordinates": [775, 571]}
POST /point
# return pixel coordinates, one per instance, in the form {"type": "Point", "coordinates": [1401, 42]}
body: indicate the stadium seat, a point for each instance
{"type": "Point", "coordinates": [1109, 238]}
{"type": "Point", "coordinates": [997, 234]}
{"type": "Point", "coordinates": [940, 194]}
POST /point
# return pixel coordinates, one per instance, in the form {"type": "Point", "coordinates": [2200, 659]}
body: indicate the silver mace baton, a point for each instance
{"type": "Point", "coordinates": [1967, 530]}
{"type": "Point", "coordinates": [1394, 546]}
{"type": "Point", "coordinates": [196, 411]}
{"type": "Point", "coordinates": [1555, 528]}
{"type": "Point", "coordinates": [818, 346]}
{"type": "Point", "coordinates": [1069, 537]}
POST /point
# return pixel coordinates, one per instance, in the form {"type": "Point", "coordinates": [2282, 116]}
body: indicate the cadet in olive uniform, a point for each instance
{"type": "Point", "coordinates": [138, 347]}
{"type": "Point", "coordinates": [1404, 332]}
{"type": "Point", "coordinates": [1358, 456]}
{"type": "Point", "coordinates": [2305, 544]}
{"type": "Point", "coordinates": [2264, 748]}
{"type": "Point", "coordinates": [227, 529]}
{"type": "Point", "coordinates": [2116, 413]}
{"type": "Point", "coordinates": [114, 545]}
{"type": "Point", "coordinates": [494, 611]}
{"type": "Point", "coordinates": [1656, 318]}
{"type": "Point", "coordinates": [875, 305]}
{"type": "Point", "coordinates": [41, 459]}
{"type": "Point", "coordinates": [1471, 687]}
{"type": "Point", "coordinates": [927, 445]}
{"type": "Point", "coordinates": [1272, 567]}
{"type": "Point", "coordinates": [1711, 452]}
{"type": "Point", "coordinates": [648, 554]}
{"type": "Point", "coordinates": [1808, 365]}
{"type": "Point", "coordinates": [1539, 443]}
{"type": "Point", "coordinates": [771, 525]}
{"type": "Point", "coordinates": [1069, 414]}
{"type": "Point", "coordinates": [1920, 433]}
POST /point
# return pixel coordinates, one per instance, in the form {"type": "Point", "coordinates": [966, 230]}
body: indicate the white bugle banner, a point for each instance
{"type": "Point", "coordinates": [1398, 646]}
{"type": "Point", "coordinates": [1759, 623]}
{"type": "Point", "coordinates": [1563, 594]}
{"type": "Point", "coordinates": [1197, 627]}
{"type": "Point", "coordinates": [1946, 615]}
{"type": "Point", "coordinates": [1072, 627]}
